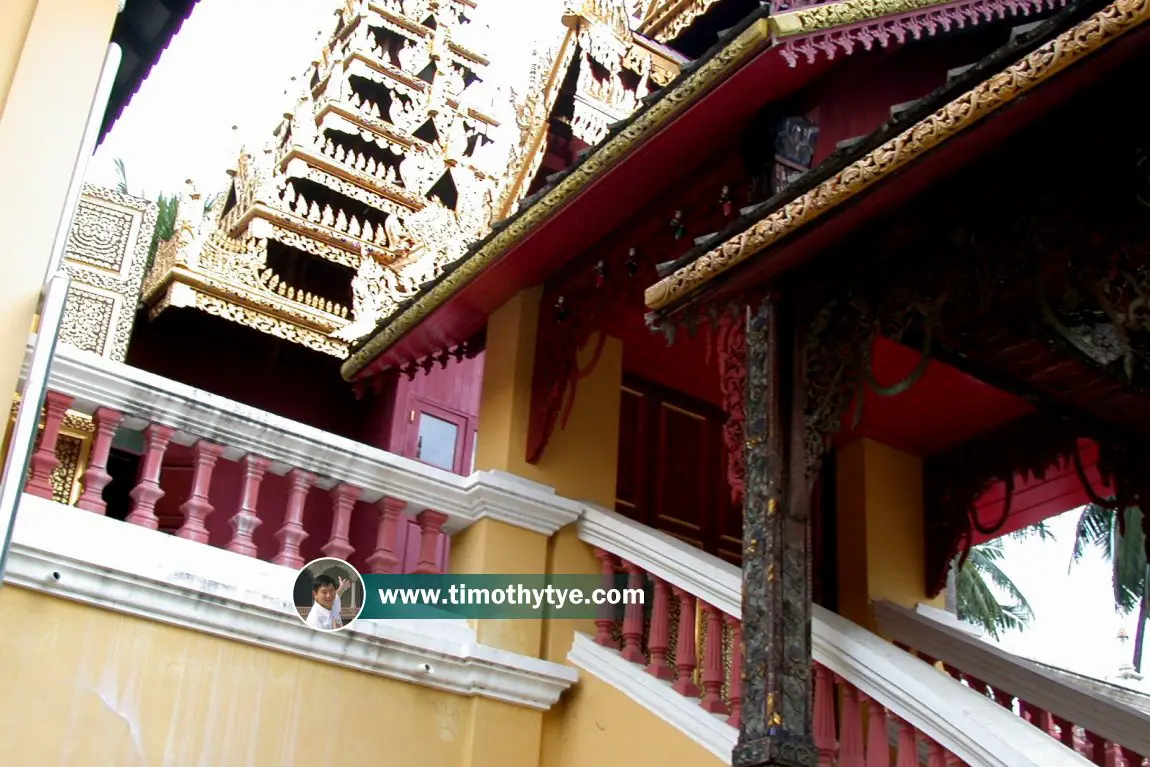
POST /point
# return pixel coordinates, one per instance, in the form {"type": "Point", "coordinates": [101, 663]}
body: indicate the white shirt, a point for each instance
{"type": "Point", "coordinates": [324, 619]}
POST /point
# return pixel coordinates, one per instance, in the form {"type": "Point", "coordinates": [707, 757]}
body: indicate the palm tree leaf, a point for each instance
{"type": "Point", "coordinates": [977, 601]}
{"type": "Point", "coordinates": [1095, 528]}
{"type": "Point", "coordinates": [1129, 564]}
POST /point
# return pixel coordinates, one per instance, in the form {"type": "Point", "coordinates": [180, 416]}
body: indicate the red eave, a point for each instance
{"type": "Point", "coordinates": [666, 158]}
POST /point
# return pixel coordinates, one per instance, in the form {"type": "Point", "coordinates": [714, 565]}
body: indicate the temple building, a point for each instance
{"type": "Point", "coordinates": [775, 309]}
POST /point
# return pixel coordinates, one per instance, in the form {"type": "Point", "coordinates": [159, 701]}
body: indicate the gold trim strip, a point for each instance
{"type": "Point", "coordinates": [987, 97]}
{"type": "Point", "coordinates": [817, 18]}
{"type": "Point", "coordinates": [753, 39]}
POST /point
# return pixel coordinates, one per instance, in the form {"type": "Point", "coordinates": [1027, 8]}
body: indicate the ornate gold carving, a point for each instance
{"type": "Point", "coordinates": [670, 18]}
{"type": "Point", "coordinates": [273, 326]}
{"type": "Point", "coordinates": [1092, 34]}
{"type": "Point", "coordinates": [105, 254]}
{"type": "Point", "coordinates": [73, 446]}
{"type": "Point", "coordinates": [88, 318]}
{"type": "Point", "coordinates": [824, 16]}
{"type": "Point", "coordinates": [678, 99]}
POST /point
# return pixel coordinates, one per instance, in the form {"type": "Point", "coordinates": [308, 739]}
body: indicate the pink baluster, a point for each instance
{"type": "Point", "coordinates": [1003, 698]}
{"type": "Point", "coordinates": [197, 508]}
{"type": "Point", "coordinates": [383, 560]}
{"type": "Point", "coordinates": [430, 525]}
{"type": "Point", "coordinates": [147, 491]}
{"type": "Point", "coordinates": [735, 689]}
{"type": "Point", "coordinates": [1132, 758]}
{"type": "Point", "coordinates": [344, 497]}
{"type": "Point", "coordinates": [633, 619]}
{"type": "Point", "coordinates": [824, 717]}
{"type": "Point", "coordinates": [907, 746]}
{"type": "Point", "coordinates": [246, 519]}
{"type": "Point", "coordinates": [605, 620]}
{"type": "Point", "coordinates": [96, 476]}
{"type": "Point", "coordinates": [851, 753]}
{"type": "Point", "coordinates": [1096, 749]}
{"type": "Point", "coordinates": [1065, 732]}
{"type": "Point", "coordinates": [712, 701]}
{"type": "Point", "coordinates": [877, 745]}
{"type": "Point", "coordinates": [935, 754]}
{"type": "Point", "coordinates": [1036, 716]}
{"type": "Point", "coordinates": [659, 642]}
{"type": "Point", "coordinates": [685, 646]}
{"type": "Point", "coordinates": [44, 460]}
{"type": "Point", "coordinates": [292, 535]}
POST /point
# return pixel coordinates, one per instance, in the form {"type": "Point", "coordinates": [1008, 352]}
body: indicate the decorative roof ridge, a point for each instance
{"type": "Point", "coordinates": [973, 96]}
{"type": "Point", "coordinates": [728, 54]}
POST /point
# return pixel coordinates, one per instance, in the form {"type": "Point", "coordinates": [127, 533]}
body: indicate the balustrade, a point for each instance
{"type": "Point", "coordinates": [850, 728]}
{"type": "Point", "coordinates": [216, 472]}
{"type": "Point", "coordinates": [1106, 732]}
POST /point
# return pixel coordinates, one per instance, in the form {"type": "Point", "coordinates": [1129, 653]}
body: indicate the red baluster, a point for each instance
{"type": "Point", "coordinates": [44, 460]}
{"type": "Point", "coordinates": [246, 519]}
{"type": "Point", "coordinates": [712, 701]}
{"type": "Point", "coordinates": [1132, 758]}
{"type": "Point", "coordinates": [735, 689]}
{"type": "Point", "coordinates": [605, 620]}
{"type": "Point", "coordinates": [1036, 716]}
{"type": "Point", "coordinates": [877, 745]}
{"type": "Point", "coordinates": [96, 476]}
{"type": "Point", "coordinates": [383, 560]}
{"type": "Point", "coordinates": [935, 754]}
{"type": "Point", "coordinates": [633, 618]}
{"type": "Point", "coordinates": [430, 525]}
{"type": "Point", "coordinates": [907, 746]}
{"type": "Point", "coordinates": [1065, 732]}
{"type": "Point", "coordinates": [292, 535]}
{"type": "Point", "coordinates": [197, 508]}
{"type": "Point", "coordinates": [147, 491]}
{"type": "Point", "coordinates": [824, 716]}
{"type": "Point", "coordinates": [343, 497]}
{"type": "Point", "coordinates": [685, 646]}
{"type": "Point", "coordinates": [659, 642]}
{"type": "Point", "coordinates": [851, 753]}
{"type": "Point", "coordinates": [1003, 698]}
{"type": "Point", "coordinates": [1096, 748]}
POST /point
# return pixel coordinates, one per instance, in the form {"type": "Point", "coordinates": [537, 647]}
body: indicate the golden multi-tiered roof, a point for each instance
{"type": "Point", "coordinates": [389, 164]}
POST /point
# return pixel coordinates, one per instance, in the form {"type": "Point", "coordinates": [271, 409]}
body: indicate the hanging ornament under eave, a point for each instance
{"type": "Point", "coordinates": [632, 263]}
{"type": "Point", "coordinates": [677, 227]}
{"type": "Point", "coordinates": [600, 274]}
{"type": "Point", "coordinates": [560, 309]}
{"type": "Point", "coordinates": [725, 201]}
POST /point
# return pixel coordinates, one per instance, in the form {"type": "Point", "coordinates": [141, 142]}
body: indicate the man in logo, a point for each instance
{"type": "Point", "coordinates": [325, 610]}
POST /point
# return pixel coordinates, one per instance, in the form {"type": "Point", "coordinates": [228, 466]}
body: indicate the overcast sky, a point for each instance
{"type": "Point", "coordinates": [230, 66]}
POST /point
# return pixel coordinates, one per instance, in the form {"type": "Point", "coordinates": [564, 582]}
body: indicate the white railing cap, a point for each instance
{"type": "Point", "coordinates": [144, 398]}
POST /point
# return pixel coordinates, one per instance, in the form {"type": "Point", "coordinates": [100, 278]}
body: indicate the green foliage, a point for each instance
{"type": "Point", "coordinates": [167, 214]}
{"type": "Point", "coordinates": [977, 601]}
{"type": "Point", "coordinates": [1098, 528]}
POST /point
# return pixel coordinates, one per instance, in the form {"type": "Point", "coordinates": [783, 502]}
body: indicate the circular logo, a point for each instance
{"type": "Point", "coordinates": [329, 594]}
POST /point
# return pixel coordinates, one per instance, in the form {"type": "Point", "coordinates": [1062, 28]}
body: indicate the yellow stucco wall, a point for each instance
{"type": "Point", "coordinates": [880, 529]}
{"type": "Point", "coordinates": [85, 686]}
{"type": "Point", "coordinates": [581, 460]}
{"type": "Point", "coordinates": [51, 52]}
{"type": "Point", "coordinates": [598, 725]}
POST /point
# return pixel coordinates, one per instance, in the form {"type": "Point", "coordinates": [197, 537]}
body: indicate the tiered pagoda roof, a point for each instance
{"type": "Point", "coordinates": [390, 162]}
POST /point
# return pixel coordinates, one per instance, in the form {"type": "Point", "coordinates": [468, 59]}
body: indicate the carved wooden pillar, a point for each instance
{"type": "Point", "coordinates": [147, 491]}
{"type": "Point", "coordinates": [96, 476]}
{"type": "Point", "coordinates": [292, 534]}
{"type": "Point", "coordinates": [430, 526]}
{"type": "Point", "coordinates": [44, 460]}
{"type": "Point", "coordinates": [777, 706]}
{"type": "Point", "coordinates": [197, 508]}
{"type": "Point", "coordinates": [246, 519]}
{"type": "Point", "coordinates": [344, 497]}
{"type": "Point", "coordinates": [383, 560]}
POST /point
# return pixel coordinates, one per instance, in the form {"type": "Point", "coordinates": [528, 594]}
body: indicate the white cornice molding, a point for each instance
{"type": "Point", "coordinates": [684, 714]}
{"type": "Point", "coordinates": [94, 381]}
{"type": "Point", "coordinates": [88, 558]}
{"type": "Point", "coordinates": [1110, 718]}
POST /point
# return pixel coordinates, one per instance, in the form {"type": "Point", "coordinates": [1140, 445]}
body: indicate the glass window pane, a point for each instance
{"type": "Point", "coordinates": [437, 441]}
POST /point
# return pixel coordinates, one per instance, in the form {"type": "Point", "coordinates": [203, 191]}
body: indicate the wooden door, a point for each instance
{"type": "Point", "coordinates": [672, 468]}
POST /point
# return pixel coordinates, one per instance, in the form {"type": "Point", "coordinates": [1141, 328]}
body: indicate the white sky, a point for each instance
{"type": "Point", "coordinates": [230, 66]}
